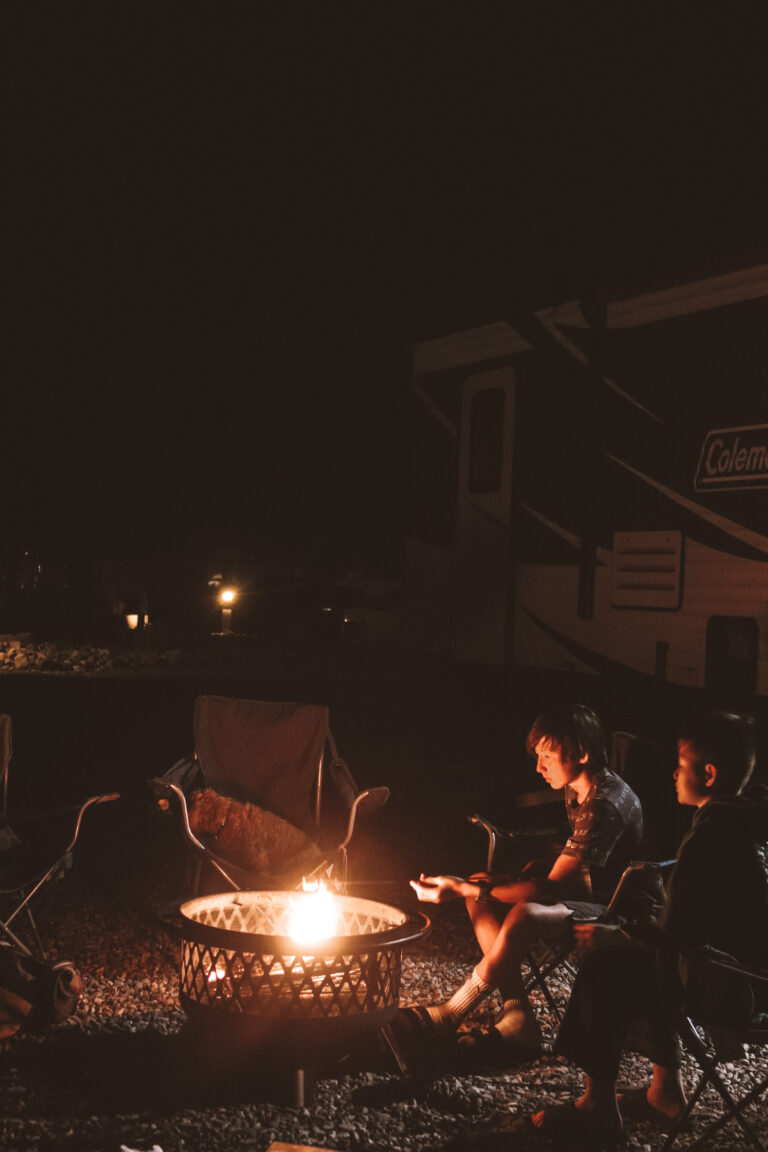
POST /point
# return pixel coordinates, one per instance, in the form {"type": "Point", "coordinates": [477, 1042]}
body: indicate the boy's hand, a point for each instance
{"type": "Point", "coordinates": [436, 889]}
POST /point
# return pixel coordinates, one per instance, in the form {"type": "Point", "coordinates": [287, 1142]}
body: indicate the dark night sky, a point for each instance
{"type": "Point", "coordinates": [224, 225]}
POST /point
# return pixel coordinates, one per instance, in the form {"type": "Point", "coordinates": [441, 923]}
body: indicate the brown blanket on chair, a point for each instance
{"type": "Point", "coordinates": [250, 836]}
{"type": "Point", "coordinates": [263, 752]}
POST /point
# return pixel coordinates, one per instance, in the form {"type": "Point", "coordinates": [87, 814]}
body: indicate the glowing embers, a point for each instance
{"type": "Point", "coordinates": [290, 986]}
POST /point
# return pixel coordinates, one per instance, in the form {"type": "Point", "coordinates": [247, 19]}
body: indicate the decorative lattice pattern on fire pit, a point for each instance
{"type": "Point", "coordinates": [241, 959]}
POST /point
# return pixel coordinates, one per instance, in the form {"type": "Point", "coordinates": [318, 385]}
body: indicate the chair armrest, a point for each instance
{"type": "Point", "coordinates": [367, 801]}
{"type": "Point", "coordinates": [33, 825]}
{"type": "Point", "coordinates": [532, 838]}
{"type": "Point", "coordinates": [104, 798]}
{"type": "Point", "coordinates": [722, 960]}
{"type": "Point", "coordinates": [174, 790]}
{"type": "Point", "coordinates": [184, 774]}
{"type": "Point", "coordinates": [637, 879]}
{"type": "Point", "coordinates": [363, 805]}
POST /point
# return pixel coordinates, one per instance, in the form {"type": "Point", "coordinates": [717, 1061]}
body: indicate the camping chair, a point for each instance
{"type": "Point", "coordinates": [271, 764]}
{"type": "Point", "coordinates": [35, 850]}
{"type": "Point", "coordinates": [716, 1028]}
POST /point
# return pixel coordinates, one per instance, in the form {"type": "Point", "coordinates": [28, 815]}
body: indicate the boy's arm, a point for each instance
{"type": "Point", "coordinates": [548, 889]}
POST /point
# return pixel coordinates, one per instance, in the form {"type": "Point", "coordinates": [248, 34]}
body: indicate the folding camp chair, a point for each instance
{"type": "Point", "coordinates": [34, 850]}
{"type": "Point", "coordinates": [279, 759]}
{"type": "Point", "coordinates": [718, 1030]}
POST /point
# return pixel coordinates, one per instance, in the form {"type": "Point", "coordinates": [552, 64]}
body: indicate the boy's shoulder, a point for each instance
{"type": "Point", "coordinates": [610, 792]}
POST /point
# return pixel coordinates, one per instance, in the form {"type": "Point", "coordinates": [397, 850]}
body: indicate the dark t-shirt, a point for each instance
{"type": "Point", "coordinates": [606, 830]}
{"type": "Point", "coordinates": [718, 893]}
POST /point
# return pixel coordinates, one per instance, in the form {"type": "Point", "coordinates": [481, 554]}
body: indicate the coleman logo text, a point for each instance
{"type": "Point", "coordinates": [733, 458]}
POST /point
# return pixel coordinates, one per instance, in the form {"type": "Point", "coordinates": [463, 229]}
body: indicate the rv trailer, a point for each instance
{"type": "Point", "coordinates": [591, 487]}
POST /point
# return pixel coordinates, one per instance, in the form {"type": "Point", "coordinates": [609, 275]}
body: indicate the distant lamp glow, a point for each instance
{"type": "Point", "coordinates": [132, 620]}
{"type": "Point", "coordinates": [227, 597]}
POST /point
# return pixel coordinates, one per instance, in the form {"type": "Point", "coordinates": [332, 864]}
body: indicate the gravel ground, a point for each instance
{"type": "Point", "coordinates": [125, 1072]}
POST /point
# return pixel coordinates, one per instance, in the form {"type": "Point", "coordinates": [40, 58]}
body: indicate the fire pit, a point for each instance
{"type": "Point", "coordinates": [308, 968]}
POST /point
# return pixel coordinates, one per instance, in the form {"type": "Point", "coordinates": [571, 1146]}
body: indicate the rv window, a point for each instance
{"type": "Point", "coordinates": [486, 441]}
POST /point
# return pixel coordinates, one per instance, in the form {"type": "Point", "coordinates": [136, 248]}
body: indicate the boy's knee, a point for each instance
{"type": "Point", "coordinates": [520, 916]}
{"type": "Point", "coordinates": [537, 919]}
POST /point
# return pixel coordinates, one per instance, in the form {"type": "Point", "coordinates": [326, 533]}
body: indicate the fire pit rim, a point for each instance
{"type": "Point", "coordinates": [416, 926]}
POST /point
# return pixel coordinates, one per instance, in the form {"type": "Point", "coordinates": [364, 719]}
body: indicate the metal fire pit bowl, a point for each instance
{"type": "Point", "coordinates": [238, 963]}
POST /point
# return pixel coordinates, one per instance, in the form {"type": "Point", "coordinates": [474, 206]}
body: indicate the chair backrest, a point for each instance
{"type": "Point", "coordinates": [5, 760]}
{"type": "Point", "coordinates": [266, 753]}
{"type": "Point", "coordinates": [648, 767]}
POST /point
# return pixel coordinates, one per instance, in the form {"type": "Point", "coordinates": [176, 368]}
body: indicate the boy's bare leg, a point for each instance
{"type": "Point", "coordinates": [500, 967]}
{"type": "Point", "coordinates": [666, 1092]}
{"type": "Point", "coordinates": [665, 1095]}
{"type": "Point", "coordinates": [487, 917]}
{"type": "Point", "coordinates": [506, 935]}
{"type": "Point", "coordinates": [597, 1105]}
{"type": "Point", "coordinates": [522, 926]}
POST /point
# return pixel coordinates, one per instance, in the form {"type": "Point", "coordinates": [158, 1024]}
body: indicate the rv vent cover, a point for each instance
{"type": "Point", "coordinates": [646, 570]}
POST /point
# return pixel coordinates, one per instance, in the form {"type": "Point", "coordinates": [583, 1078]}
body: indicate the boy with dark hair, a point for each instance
{"type": "Point", "coordinates": [718, 896]}
{"type": "Point", "coordinates": [508, 915]}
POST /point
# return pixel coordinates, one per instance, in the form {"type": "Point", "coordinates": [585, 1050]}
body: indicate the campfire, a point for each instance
{"type": "Point", "coordinates": [307, 967]}
{"type": "Point", "coordinates": [314, 914]}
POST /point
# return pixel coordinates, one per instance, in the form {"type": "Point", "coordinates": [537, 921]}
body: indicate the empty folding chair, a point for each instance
{"type": "Point", "coordinates": [265, 799]}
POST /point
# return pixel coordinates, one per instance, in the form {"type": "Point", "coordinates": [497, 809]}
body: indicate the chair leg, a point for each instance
{"type": "Point", "coordinates": [35, 932]}
{"type": "Point", "coordinates": [539, 974]}
{"type": "Point", "coordinates": [7, 932]}
{"type": "Point", "coordinates": [682, 1119]}
{"type": "Point", "coordinates": [734, 1113]}
{"type": "Point", "coordinates": [394, 1049]}
{"type": "Point", "coordinates": [538, 979]}
{"type": "Point", "coordinates": [710, 1075]}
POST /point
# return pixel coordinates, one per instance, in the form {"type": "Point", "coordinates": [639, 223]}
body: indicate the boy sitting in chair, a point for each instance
{"type": "Point", "coordinates": [717, 896]}
{"type": "Point", "coordinates": [508, 916]}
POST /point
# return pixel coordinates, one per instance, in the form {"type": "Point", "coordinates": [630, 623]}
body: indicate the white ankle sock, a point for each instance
{"type": "Point", "coordinates": [517, 1019]}
{"type": "Point", "coordinates": [461, 1003]}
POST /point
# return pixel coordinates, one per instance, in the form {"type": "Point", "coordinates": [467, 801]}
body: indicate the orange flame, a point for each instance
{"type": "Point", "coordinates": [314, 914]}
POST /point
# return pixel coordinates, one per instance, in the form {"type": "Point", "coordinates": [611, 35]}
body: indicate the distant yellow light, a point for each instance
{"type": "Point", "coordinates": [132, 620]}
{"type": "Point", "coordinates": [227, 595]}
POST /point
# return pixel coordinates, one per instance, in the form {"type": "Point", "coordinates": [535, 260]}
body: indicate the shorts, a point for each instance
{"type": "Point", "coordinates": [584, 909]}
